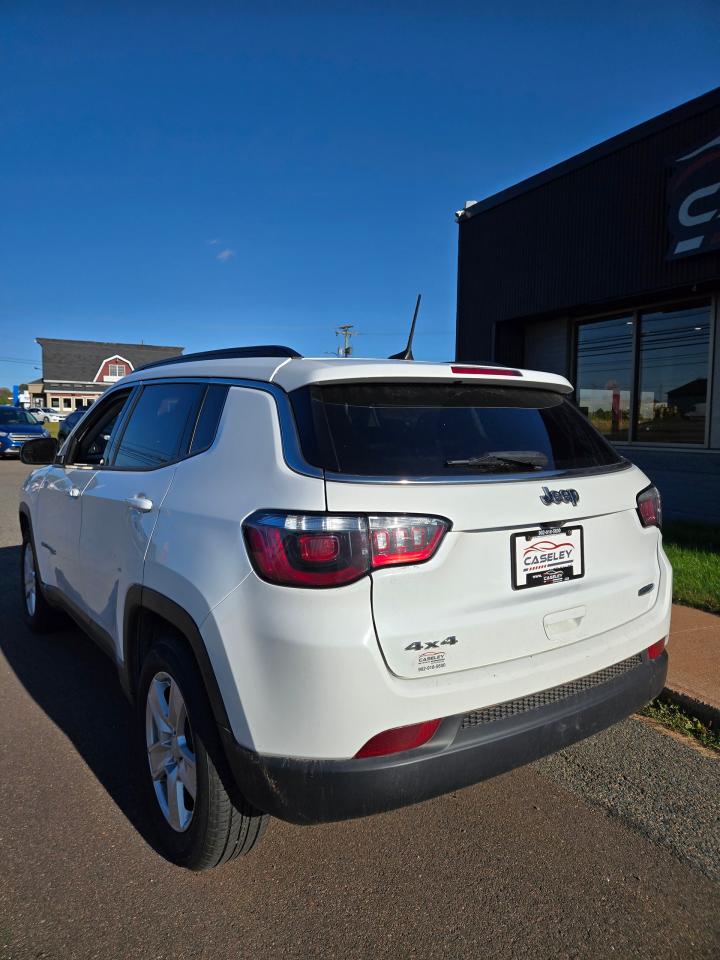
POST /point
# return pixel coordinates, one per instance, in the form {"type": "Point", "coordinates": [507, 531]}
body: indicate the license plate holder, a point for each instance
{"type": "Point", "coordinates": [546, 555]}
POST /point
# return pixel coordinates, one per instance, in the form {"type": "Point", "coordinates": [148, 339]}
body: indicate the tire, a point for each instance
{"type": "Point", "coordinates": [37, 612]}
{"type": "Point", "coordinates": [46, 419]}
{"type": "Point", "coordinates": [208, 829]}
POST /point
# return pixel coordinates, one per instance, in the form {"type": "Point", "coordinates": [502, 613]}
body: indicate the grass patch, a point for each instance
{"type": "Point", "coordinates": [694, 551]}
{"type": "Point", "coordinates": [52, 428]}
{"type": "Point", "coordinates": [672, 716]}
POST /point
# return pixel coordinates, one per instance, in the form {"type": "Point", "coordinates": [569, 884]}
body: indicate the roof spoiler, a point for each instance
{"type": "Point", "coordinates": [230, 353]}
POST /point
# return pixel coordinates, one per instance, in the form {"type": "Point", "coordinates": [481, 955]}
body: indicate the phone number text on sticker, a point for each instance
{"type": "Point", "coordinates": [548, 555]}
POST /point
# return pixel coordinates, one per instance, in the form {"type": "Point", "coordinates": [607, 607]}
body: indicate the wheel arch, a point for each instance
{"type": "Point", "coordinates": [24, 518]}
{"type": "Point", "coordinates": [146, 612]}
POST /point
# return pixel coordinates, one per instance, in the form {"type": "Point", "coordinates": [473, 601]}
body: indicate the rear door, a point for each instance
{"type": "Point", "coordinates": [545, 548]}
{"type": "Point", "coordinates": [121, 503]}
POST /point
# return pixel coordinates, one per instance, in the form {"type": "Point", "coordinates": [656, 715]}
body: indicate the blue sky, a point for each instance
{"type": "Point", "coordinates": [227, 173]}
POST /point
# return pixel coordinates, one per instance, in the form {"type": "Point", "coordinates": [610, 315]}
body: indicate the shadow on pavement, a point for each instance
{"type": "Point", "coordinates": [77, 687]}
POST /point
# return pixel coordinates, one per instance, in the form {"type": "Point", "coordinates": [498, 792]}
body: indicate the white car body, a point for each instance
{"type": "Point", "coordinates": [47, 414]}
{"type": "Point", "coordinates": [301, 679]}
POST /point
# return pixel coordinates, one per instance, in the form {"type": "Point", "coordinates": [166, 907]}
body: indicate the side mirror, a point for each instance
{"type": "Point", "coordinates": [39, 452]}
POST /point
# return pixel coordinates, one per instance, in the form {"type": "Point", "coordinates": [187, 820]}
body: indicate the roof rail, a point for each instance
{"type": "Point", "coordinates": [230, 353]}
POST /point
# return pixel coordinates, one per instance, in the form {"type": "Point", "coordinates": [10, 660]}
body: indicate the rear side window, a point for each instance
{"type": "Point", "coordinates": [431, 429]}
{"type": "Point", "coordinates": [160, 425]}
{"type": "Point", "coordinates": [209, 418]}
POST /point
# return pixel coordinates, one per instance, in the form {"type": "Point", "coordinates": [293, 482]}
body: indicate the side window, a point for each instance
{"type": "Point", "coordinates": [209, 418]}
{"type": "Point", "coordinates": [91, 445]}
{"type": "Point", "coordinates": [159, 427]}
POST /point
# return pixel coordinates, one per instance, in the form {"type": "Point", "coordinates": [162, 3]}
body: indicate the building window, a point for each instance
{"type": "Point", "coordinates": [67, 403]}
{"type": "Point", "coordinates": [673, 384]}
{"type": "Point", "coordinates": [55, 402]}
{"type": "Point", "coordinates": [605, 374]}
{"type": "Point", "coordinates": [116, 370]}
{"type": "Point", "coordinates": [667, 354]}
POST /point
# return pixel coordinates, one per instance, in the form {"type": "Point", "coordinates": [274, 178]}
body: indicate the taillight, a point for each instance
{"type": "Point", "coordinates": [307, 550]}
{"type": "Point", "coordinates": [649, 507]}
{"type": "Point", "coordinates": [328, 550]}
{"type": "Point", "coordinates": [398, 739]}
{"type": "Point", "coordinates": [395, 540]}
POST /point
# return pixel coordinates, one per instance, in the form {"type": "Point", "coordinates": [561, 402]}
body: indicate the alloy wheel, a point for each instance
{"type": "Point", "coordinates": [29, 584]}
{"type": "Point", "coordinates": [170, 751]}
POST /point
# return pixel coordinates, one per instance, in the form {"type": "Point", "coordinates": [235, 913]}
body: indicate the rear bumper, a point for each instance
{"type": "Point", "coordinates": [316, 791]}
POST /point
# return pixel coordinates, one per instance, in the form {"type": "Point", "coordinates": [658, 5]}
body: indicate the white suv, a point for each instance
{"type": "Point", "coordinates": [335, 587]}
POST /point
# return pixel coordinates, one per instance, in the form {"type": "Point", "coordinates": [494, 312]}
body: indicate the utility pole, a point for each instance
{"type": "Point", "coordinates": [345, 331]}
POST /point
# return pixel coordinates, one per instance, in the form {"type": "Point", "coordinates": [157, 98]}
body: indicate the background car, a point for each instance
{"type": "Point", "coordinates": [17, 426]}
{"type": "Point", "coordinates": [47, 414]}
{"type": "Point", "coordinates": [68, 424]}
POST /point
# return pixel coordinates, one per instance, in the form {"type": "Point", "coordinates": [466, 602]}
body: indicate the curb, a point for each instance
{"type": "Point", "coordinates": [706, 712]}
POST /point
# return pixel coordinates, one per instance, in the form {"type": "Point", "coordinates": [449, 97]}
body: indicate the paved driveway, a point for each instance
{"type": "Point", "coordinates": [597, 853]}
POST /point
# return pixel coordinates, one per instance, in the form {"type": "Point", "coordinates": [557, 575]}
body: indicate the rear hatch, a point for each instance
{"type": "Point", "coordinates": [544, 547]}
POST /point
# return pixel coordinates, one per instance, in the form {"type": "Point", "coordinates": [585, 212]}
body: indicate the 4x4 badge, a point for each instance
{"type": "Point", "coordinates": [432, 644]}
{"type": "Point", "coordinates": [549, 497]}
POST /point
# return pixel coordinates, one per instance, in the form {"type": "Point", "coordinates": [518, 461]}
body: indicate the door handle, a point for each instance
{"type": "Point", "coordinates": [140, 503]}
{"type": "Point", "coordinates": [73, 492]}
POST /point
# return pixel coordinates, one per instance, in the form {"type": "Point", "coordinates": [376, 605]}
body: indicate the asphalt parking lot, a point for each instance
{"type": "Point", "coordinates": [607, 850]}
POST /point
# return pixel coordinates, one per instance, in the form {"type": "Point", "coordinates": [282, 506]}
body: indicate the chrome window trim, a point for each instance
{"type": "Point", "coordinates": [294, 459]}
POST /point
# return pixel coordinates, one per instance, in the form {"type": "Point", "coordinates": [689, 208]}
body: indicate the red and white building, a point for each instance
{"type": "Point", "coordinates": [77, 372]}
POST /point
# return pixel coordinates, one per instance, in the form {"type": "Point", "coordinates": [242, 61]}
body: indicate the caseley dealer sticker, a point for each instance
{"type": "Point", "coordinates": [432, 656]}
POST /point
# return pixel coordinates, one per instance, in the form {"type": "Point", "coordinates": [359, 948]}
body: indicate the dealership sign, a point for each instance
{"type": "Point", "coordinates": [694, 201]}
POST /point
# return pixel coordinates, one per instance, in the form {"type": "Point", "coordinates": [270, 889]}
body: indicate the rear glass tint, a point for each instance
{"type": "Point", "coordinates": [430, 429]}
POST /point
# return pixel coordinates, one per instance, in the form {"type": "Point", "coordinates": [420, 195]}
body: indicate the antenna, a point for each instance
{"type": "Point", "coordinates": [407, 353]}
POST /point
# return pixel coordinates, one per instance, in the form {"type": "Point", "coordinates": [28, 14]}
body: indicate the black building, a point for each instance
{"type": "Point", "coordinates": [606, 268]}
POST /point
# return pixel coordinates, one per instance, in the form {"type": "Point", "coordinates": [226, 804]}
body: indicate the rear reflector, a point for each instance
{"type": "Point", "coordinates": [656, 649]}
{"type": "Point", "coordinates": [318, 549]}
{"type": "Point", "coordinates": [487, 371]}
{"type": "Point", "coordinates": [398, 739]}
{"type": "Point", "coordinates": [329, 550]}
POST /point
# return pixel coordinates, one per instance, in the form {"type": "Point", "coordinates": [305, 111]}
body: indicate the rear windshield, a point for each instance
{"type": "Point", "coordinates": [431, 429]}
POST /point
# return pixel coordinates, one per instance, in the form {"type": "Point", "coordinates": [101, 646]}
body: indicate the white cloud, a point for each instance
{"type": "Point", "coordinates": [225, 255]}
{"type": "Point", "coordinates": [213, 242]}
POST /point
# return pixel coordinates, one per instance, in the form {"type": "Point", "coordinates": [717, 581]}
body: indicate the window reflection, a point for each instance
{"type": "Point", "coordinates": [604, 375]}
{"type": "Point", "coordinates": [674, 356]}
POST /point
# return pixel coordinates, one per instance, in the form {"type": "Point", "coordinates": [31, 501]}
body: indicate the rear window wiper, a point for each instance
{"type": "Point", "coordinates": [496, 460]}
